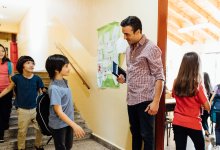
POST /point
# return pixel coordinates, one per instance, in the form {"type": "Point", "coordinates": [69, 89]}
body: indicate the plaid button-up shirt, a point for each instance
{"type": "Point", "coordinates": [144, 67]}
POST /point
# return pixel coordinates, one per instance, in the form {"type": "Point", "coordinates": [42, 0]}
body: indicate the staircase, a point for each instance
{"type": "Point", "coordinates": [11, 134]}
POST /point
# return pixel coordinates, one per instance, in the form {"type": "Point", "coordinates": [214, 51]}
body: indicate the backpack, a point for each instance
{"type": "Point", "coordinates": [9, 68]}
{"type": "Point", "coordinates": [43, 105]}
{"type": "Point", "coordinates": [215, 109]}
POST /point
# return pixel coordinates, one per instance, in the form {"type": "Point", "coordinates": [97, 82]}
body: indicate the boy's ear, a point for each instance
{"type": "Point", "coordinates": [56, 71]}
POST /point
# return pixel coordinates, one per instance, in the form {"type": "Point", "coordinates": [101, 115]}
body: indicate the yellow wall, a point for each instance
{"type": "Point", "coordinates": [73, 25]}
{"type": "Point", "coordinates": [9, 27]}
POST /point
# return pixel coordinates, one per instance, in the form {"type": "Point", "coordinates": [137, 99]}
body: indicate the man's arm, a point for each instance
{"type": "Point", "coordinates": [153, 107]}
{"type": "Point", "coordinates": [158, 90]}
{"type": "Point", "coordinates": [7, 89]}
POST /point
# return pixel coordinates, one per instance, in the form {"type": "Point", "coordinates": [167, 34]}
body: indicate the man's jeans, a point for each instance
{"type": "Point", "coordinates": [142, 126]}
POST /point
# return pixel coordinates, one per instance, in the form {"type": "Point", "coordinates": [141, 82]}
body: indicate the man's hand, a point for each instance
{"type": "Point", "coordinates": [152, 108]}
{"type": "Point", "coordinates": [121, 79]}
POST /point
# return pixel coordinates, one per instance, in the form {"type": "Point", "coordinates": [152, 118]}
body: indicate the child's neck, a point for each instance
{"type": "Point", "coordinates": [27, 74]}
{"type": "Point", "coordinates": [58, 77]}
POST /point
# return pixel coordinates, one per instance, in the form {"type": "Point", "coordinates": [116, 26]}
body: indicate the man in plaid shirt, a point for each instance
{"type": "Point", "coordinates": [145, 79]}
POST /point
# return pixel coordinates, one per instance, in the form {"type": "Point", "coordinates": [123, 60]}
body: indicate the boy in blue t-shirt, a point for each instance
{"type": "Point", "coordinates": [27, 87]}
{"type": "Point", "coordinates": [61, 106]}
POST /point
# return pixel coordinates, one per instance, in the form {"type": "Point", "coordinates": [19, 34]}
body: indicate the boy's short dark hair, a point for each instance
{"type": "Point", "coordinates": [132, 21]}
{"type": "Point", "coordinates": [55, 62]}
{"type": "Point", "coordinates": [21, 61]}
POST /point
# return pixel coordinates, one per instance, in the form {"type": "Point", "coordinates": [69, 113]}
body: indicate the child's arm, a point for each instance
{"type": "Point", "coordinates": [7, 89]}
{"type": "Point", "coordinates": [213, 95]}
{"type": "Point", "coordinates": [206, 106]}
{"type": "Point", "coordinates": [78, 131]}
{"type": "Point", "coordinates": [40, 91]}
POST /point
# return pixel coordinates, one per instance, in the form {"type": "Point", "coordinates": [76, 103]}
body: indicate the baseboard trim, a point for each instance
{"type": "Point", "coordinates": [105, 143]}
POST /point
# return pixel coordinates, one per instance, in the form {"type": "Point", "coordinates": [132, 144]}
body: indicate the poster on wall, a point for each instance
{"type": "Point", "coordinates": [108, 43]}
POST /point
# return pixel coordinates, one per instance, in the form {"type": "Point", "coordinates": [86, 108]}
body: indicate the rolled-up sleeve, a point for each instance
{"type": "Point", "coordinates": [155, 63]}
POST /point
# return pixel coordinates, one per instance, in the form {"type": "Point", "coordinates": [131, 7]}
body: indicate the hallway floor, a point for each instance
{"type": "Point", "coordinates": [190, 146]}
{"type": "Point", "coordinates": [88, 144]}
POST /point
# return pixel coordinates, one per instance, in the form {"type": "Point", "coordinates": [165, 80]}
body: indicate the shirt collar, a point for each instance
{"type": "Point", "coordinates": [141, 42]}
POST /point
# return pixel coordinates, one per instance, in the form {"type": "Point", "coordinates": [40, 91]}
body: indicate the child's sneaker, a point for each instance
{"type": "Point", "coordinates": [2, 139]}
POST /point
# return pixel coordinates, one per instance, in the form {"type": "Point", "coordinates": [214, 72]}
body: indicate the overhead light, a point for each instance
{"type": "Point", "coordinates": [194, 27]}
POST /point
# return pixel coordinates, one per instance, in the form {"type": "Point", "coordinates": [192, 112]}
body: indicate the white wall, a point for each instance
{"type": "Point", "coordinates": [210, 62]}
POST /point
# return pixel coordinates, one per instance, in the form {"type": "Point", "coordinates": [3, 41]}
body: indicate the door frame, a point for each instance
{"type": "Point", "coordinates": [162, 43]}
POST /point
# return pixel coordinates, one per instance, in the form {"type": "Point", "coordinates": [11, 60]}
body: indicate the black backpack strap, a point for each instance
{"type": "Point", "coordinates": [49, 140]}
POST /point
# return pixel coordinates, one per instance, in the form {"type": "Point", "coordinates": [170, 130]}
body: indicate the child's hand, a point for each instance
{"type": "Point", "coordinates": [78, 131]}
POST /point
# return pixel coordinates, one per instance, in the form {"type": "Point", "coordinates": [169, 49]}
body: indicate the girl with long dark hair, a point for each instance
{"type": "Point", "coordinates": [190, 95]}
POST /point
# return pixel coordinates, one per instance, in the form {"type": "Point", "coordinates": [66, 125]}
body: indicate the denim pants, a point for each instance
{"type": "Point", "coordinates": [142, 126]}
{"type": "Point", "coordinates": [181, 134]}
{"type": "Point", "coordinates": [63, 138]}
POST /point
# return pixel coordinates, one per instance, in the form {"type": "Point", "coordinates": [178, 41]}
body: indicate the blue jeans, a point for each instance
{"type": "Point", "coordinates": [142, 126]}
{"type": "Point", "coordinates": [181, 134]}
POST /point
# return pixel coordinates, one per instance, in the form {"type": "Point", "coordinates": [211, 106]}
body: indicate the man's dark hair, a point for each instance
{"type": "Point", "coordinates": [4, 59]}
{"type": "Point", "coordinates": [55, 63]}
{"type": "Point", "coordinates": [132, 21]}
{"type": "Point", "coordinates": [21, 61]}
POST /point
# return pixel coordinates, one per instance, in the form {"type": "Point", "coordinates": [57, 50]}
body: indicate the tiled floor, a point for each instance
{"type": "Point", "coordinates": [83, 145]}
{"type": "Point", "coordinates": [190, 146]}
{"type": "Point", "coordinates": [93, 145]}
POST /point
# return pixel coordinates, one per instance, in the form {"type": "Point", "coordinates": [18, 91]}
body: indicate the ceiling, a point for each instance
{"type": "Point", "coordinates": [12, 11]}
{"type": "Point", "coordinates": [189, 21]}
{"type": "Point", "coordinates": [192, 21]}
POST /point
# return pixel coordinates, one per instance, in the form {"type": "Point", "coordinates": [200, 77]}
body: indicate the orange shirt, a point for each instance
{"type": "Point", "coordinates": [4, 78]}
{"type": "Point", "coordinates": [187, 110]}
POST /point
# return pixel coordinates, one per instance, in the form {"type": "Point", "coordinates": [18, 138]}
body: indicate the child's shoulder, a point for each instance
{"type": "Point", "coordinates": [17, 75]}
{"type": "Point", "coordinates": [36, 76]}
{"type": "Point", "coordinates": [53, 86]}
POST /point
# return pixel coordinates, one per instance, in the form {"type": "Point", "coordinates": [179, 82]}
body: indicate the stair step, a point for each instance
{"type": "Point", "coordinates": [11, 144]}
{"type": "Point", "coordinates": [13, 130]}
{"type": "Point", "coordinates": [14, 121]}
